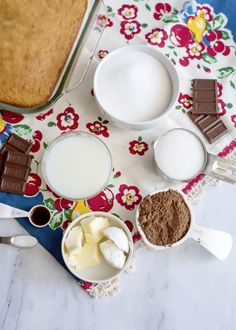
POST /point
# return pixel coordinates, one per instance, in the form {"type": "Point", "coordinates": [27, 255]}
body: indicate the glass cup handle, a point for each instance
{"type": "Point", "coordinates": [221, 168]}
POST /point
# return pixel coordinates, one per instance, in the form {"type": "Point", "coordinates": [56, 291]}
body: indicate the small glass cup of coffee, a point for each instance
{"type": "Point", "coordinates": [39, 216]}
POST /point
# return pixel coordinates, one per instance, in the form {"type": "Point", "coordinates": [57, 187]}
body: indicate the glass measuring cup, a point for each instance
{"type": "Point", "coordinates": [212, 165]}
{"type": "Point", "coordinates": [218, 243]}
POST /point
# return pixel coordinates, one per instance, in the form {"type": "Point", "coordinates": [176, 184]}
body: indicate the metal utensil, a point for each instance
{"type": "Point", "coordinates": [20, 241]}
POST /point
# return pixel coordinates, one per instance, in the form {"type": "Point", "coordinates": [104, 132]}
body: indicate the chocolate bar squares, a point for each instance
{"type": "Point", "coordinates": [15, 164]}
{"type": "Point", "coordinates": [211, 127]}
{"type": "Point", "coordinates": [205, 97]}
{"type": "Point", "coordinates": [204, 113]}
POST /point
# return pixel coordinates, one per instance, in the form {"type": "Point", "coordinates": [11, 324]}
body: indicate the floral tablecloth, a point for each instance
{"type": "Point", "coordinates": [197, 40]}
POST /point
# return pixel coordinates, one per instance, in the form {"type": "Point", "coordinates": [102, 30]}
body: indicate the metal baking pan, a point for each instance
{"type": "Point", "coordinates": [79, 59]}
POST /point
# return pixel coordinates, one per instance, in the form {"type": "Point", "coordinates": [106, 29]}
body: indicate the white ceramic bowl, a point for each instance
{"type": "Point", "coordinates": [102, 272]}
{"type": "Point", "coordinates": [137, 125]}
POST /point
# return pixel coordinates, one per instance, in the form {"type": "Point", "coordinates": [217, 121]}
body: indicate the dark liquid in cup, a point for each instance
{"type": "Point", "coordinates": [40, 216]}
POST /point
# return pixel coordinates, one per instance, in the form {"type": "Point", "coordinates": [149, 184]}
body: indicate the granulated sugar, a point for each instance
{"type": "Point", "coordinates": [179, 154]}
{"type": "Point", "coordinates": [134, 86]}
{"type": "Point", "coordinates": [164, 217]}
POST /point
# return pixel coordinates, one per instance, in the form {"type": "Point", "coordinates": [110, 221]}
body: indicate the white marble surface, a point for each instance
{"type": "Point", "coordinates": [180, 289]}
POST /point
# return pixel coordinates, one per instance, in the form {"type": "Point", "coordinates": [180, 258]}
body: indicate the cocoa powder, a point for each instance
{"type": "Point", "coordinates": [164, 217]}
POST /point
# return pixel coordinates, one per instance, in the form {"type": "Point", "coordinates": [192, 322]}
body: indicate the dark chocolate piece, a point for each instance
{"type": "Point", "coordinates": [216, 132]}
{"type": "Point", "coordinates": [15, 171]}
{"type": "Point", "coordinates": [12, 185]}
{"type": "Point", "coordinates": [1, 162]}
{"type": "Point", "coordinates": [19, 143]}
{"type": "Point", "coordinates": [204, 108]}
{"type": "Point", "coordinates": [7, 148]}
{"type": "Point", "coordinates": [18, 158]}
{"type": "Point", "coordinates": [205, 97]}
{"type": "Point", "coordinates": [211, 127]}
{"type": "Point", "coordinates": [204, 84]}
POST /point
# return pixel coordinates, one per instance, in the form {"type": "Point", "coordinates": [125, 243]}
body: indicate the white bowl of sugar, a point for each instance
{"type": "Point", "coordinates": [135, 86]}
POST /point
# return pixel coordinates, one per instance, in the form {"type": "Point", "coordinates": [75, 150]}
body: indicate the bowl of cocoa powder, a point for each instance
{"type": "Point", "coordinates": [164, 218]}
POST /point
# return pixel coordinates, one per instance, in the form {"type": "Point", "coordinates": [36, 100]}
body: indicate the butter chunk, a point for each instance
{"type": "Point", "coordinates": [87, 256]}
{"type": "Point", "coordinates": [93, 228]}
{"type": "Point", "coordinates": [74, 239]}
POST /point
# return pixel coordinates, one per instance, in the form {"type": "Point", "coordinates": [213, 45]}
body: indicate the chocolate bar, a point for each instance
{"type": "Point", "coordinates": [19, 143]}
{"type": "Point", "coordinates": [12, 185]}
{"type": "Point", "coordinates": [1, 163]}
{"type": "Point", "coordinates": [15, 171]}
{"type": "Point", "coordinates": [205, 97]}
{"type": "Point", "coordinates": [18, 158]}
{"type": "Point", "coordinates": [211, 127]}
{"type": "Point", "coordinates": [7, 148]}
{"type": "Point", "coordinates": [204, 84]}
{"type": "Point", "coordinates": [15, 164]}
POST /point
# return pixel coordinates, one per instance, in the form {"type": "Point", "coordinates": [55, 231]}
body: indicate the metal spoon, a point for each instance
{"type": "Point", "coordinates": [20, 241]}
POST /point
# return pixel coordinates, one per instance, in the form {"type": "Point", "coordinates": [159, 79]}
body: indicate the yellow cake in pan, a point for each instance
{"type": "Point", "coordinates": [36, 37]}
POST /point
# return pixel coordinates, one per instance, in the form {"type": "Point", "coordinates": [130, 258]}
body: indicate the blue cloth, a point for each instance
{"type": "Point", "coordinates": [227, 7]}
{"type": "Point", "coordinates": [50, 239]}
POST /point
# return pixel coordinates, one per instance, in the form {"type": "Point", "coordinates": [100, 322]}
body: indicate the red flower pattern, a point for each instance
{"type": "Point", "coordinates": [157, 37]}
{"type": "Point", "coordinates": [161, 9]}
{"type": "Point", "coordinates": [36, 139]}
{"type": "Point", "coordinates": [205, 12]}
{"type": "Point", "coordinates": [222, 107]}
{"type": "Point", "coordinates": [62, 204]}
{"type": "Point", "coordinates": [233, 118]}
{"type": "Point", "coordinates": [98, 128]}
{"type": "Point", "coordinates": [128, 196]}
{"type": "Point", "coordinates": [43, 116]}
{"type": "Point", "coordinates": [128, 11]}
{"type": "Point", "coordinates": [11, 117]}
{"type": "Point", "coordinates": [185, 100]}
{"type": "Point", "coordinates": [195, 49]}
{"type": "Point", "coordinates": [33, 184]}
{"type": "Point", "coordinates": [219, 89]}
{"type": "Point", "coordinates": [68, 119]}
{"type": "Point", "coordinates": [109, 23]}
{"type": "Point", "coordinates": [102, 53]}
{"type": "Point", "coordinates": [138, 147]}
{"type": "Point", "coordinates": [216, 43]}
{"type": "Point", "coordinates": [129, 29]}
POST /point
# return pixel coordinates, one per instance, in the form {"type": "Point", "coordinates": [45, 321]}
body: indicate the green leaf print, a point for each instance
{"type": "Point", "coordinates": [56, 220]}
{"type": "Point", "coordinates": [229, 105]}
{"type": "Point", "coordinates": [147, 6]}
{"type": "Point", "coordinates": [49, 203]}
{"type": "Point", "coordinates": [225, 35]}
{"type": "Point", "coordinates": [45, 145]}
{"type": "Point", "coordinates": [208, 59]}
{"type": "Point", "coordinates": [109, 9]}
{"type": "Point", "coordinates": [225, 72]}
{"type": "Point", "coordinates": [22, 130]}
{"type": "Point", "coordinates": [218, 21]}
{"type": "Point", "coordinates": [144, 25]}
{"type": "Point", "coordinates": [208, 26]}
{"type": "Point", "coordinates": [51, 124]}
{"type": "Point", "coordinates": [170, 19]}
{"type": "Point", "coordinates": [67, 214]}
{"type": "Point", "coordinates": [105, 122]}
{"type": "Point", "coordinates": [232, 84]}
{"type": "Point", "coordinates": [140, 138]}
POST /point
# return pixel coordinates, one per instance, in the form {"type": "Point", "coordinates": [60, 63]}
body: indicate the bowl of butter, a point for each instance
{"type": "Point", "coordinates": [97, 247]}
